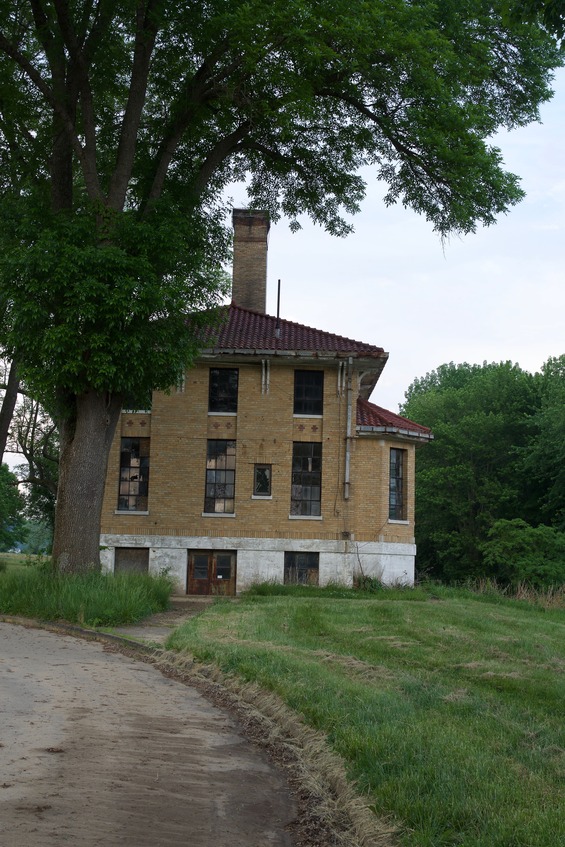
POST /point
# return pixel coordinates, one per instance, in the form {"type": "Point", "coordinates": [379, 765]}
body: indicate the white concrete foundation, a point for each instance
{"type": "Point", "coordinates": [262, 559]}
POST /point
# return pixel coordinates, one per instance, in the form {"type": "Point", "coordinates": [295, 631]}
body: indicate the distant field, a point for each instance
{"type": "Point", "coordinates": [16, 561]}
{"type": "Point", "coordinates": [447, 707]}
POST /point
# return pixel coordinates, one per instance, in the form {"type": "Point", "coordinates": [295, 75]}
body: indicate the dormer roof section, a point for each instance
{"type": "Point", "coordinates": [375, 420]}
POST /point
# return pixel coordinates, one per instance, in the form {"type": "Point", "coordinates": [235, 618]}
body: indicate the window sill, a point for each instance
{"type": "Point", "coordinates": [218, 514]}
{"type": "Point", "coordinates": [128, 512]}
{"type": "Point", "coordinates": [403, 523]}
{"type": "Point", "coordinates": [222, 414]}
{"type": "Point", "coordinates": [314, 417]}
{"type": "Point", "coordinates": [261, 496]}
{"type": "Point", "coordinates": [305, 518]}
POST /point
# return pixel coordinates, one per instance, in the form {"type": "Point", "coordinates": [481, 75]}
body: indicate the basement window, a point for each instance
{"type": "Point", "coordinates": [301, 568]}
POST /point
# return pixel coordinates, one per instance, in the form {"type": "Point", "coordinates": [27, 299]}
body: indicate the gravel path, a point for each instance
{"type": "Point", "coordinates": [97, 750]}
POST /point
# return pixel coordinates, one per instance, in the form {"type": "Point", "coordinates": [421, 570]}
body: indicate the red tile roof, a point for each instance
{"type": "Point", "coordinates": [247, 330]}
{"type": "Point", "coordinates": [376, 419]}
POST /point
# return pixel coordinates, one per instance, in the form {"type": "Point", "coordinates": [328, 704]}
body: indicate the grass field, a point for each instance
{"type": "Point", "coordinates": [447, 707]}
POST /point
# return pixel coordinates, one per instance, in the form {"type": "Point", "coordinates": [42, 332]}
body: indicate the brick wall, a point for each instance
{"type": "Point", "coordinates": [249, 285]}
{"type": "Point", "coordinates": [264, 429]}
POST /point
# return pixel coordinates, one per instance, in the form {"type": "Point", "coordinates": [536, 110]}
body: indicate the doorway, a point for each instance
{"type": "Point", "coordinates": [211, 572]}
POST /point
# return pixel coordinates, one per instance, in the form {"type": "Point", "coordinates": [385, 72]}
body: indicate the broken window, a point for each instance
{"type": "Point", "coordinates": [134, 475]}
{"type": "Point", "coordinates": [220, 477]}
{"type": "Point", "coordinates": [306, 488]}
{"type": "Point", "coordinates": [262, 481]}
{"type": "Point", "coordinates": [397, 485]}
{"type": "Point", "coordinates": [301, 568]}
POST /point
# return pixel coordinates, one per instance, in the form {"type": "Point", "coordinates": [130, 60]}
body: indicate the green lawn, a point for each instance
{"type": "Point", "coordinates": [447, 710]}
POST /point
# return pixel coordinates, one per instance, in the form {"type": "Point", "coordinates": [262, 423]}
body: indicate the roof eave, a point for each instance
{"type": "Point", "coordinates": [375, 360]}
{"type": "Point", "coordinates": [395, 430]}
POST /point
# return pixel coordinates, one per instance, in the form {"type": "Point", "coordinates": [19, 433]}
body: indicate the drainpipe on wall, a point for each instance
{"type": "Point", "coordinates": [348, 430]}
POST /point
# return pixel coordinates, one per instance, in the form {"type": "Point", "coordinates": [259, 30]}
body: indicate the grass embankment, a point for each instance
{"type": "Point", "coordinates": [447, 708]}
{"type": "Point", "coordinates": [92, 599]}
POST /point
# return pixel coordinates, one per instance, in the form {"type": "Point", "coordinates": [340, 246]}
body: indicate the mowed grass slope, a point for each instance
{"type": "Point", "coordinates": [448, 712]}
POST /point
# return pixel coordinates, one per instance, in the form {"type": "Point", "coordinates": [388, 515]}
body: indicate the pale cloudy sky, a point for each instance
{"type": "Point", "coordinates": [496, 295]}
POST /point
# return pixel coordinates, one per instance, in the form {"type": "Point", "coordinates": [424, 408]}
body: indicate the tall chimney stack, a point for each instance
{"type": "Point", "coordinates": [249, 285]}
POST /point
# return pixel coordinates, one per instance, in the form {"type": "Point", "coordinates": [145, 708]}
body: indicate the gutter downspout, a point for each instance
{"type": "Point", "coordinates": [348, 430]}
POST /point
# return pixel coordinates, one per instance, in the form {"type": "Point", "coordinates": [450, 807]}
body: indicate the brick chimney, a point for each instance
{"type": "Point", "coordinates": [250, 236]}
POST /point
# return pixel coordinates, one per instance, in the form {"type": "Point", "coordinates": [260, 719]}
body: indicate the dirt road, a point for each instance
{"type": "Point", "coordinates": [98, 750]}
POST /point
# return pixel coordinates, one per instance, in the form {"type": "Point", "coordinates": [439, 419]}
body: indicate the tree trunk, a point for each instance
{"type": "Point", "coordinates": [86, 437]}
{"type": "Point", "coordinates": [8, 406]}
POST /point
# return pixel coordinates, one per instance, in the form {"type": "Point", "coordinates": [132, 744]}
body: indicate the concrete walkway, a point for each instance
{"type": "Point", "coordinates": [157, 628]}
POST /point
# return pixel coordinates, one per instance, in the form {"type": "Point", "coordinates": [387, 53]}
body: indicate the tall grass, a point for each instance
{"type": "Point", "coordinates": [93, 599]}
{"type": "Point", "coordinates": [446, 705]}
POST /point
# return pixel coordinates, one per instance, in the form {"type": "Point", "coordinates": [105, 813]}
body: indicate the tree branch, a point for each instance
{"type": "Point", "coordinates": [219, 153]}
{"type": "Point", "coordinates": [78, 78]}
{"type": "Point", "coordinates": [194, 93]}
{"type": "Point", "coordinates": [58, 107]}
{"type": "Point", "coordinates": [146, 32]}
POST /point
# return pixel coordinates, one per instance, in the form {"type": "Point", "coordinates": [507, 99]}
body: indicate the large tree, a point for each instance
{"type": "Point", "coordinates": [122, 122]}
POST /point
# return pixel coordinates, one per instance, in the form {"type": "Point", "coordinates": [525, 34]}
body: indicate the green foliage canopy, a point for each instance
{"type": "Point", "coordinates": [472, 474]}
{"type": "Point", "coordinates": [519, 553]}
{"type": "Point", "coordinates": [545, 459]}
{"type": "Point", "coordinates": [121, 124]}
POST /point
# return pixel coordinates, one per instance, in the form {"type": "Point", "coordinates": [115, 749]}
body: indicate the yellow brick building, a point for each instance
{"type": "Point", "coordinates": [268, 462]}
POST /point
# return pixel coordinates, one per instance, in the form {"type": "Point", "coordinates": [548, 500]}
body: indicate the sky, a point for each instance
{"type": "Point", "coordinates": [495, 295]}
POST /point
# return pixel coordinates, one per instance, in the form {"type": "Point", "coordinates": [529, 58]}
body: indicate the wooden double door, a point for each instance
{"type": "Point", "coordinates": [211, 572]}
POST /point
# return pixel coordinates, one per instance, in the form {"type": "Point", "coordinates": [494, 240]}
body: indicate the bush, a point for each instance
{"type": "Point", "coordinates": [519, 553]}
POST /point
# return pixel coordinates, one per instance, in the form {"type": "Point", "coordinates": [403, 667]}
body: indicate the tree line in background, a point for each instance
{"type": "Point", "coordinates": [28, 491]}
{"type": "Point", "coordinates": [490, 488]}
